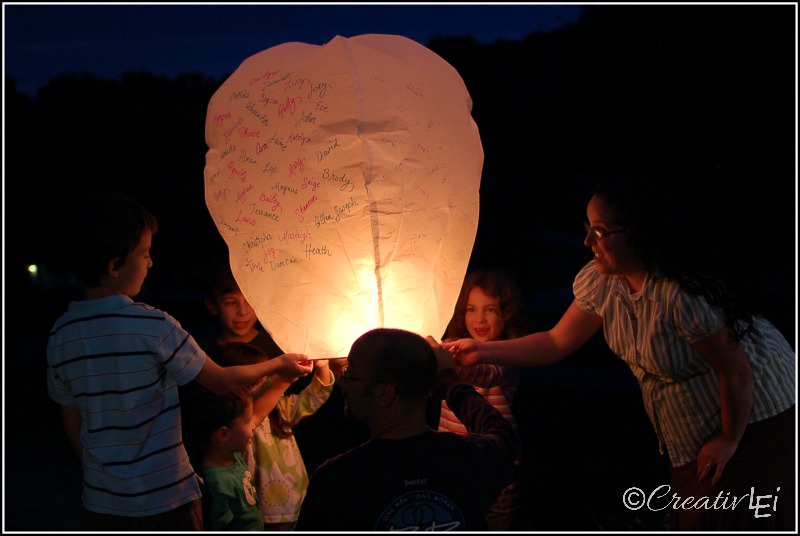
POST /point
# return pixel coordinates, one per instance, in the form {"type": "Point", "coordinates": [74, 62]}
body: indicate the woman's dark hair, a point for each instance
{"type": "Point", "coordinates": [104, 226]}
{"type": "Point", "coordinates": [240, 353]}
{"type": "Point", "coordinates": [499, 284]}
{"type": "Point", "coordinates": [660, 233]}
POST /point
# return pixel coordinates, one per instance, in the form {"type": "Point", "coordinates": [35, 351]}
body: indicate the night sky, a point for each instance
{"type": "Point", "coordinates": [41, 41]}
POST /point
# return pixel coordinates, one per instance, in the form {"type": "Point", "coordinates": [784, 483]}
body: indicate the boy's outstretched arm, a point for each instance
{"type": "Point", "coordinates": [223, 380]}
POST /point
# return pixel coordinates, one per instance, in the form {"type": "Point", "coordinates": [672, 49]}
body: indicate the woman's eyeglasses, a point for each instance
{"type": "Point", "coordinates": [599, 234]}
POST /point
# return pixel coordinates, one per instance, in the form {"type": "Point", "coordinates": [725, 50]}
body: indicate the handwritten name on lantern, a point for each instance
{"type": "Point", "coordinates": [344, 179]}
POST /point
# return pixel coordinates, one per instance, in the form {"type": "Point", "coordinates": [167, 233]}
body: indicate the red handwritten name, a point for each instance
{"type": "Point", "coordinates": [300, 211]}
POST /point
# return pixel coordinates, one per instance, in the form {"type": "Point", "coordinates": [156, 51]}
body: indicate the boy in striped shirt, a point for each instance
{"type": "Point", "coordinates": [114, 366]}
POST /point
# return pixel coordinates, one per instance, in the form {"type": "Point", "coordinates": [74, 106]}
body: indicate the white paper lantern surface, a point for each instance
{"type": "Point", "coordinates": [345, 180]}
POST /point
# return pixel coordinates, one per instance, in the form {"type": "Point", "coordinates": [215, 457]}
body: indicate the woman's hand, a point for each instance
{"type": "Point", "coordinates": [736, 386]}
{"type": "Point", "coordinates": [465, 352]}
{"type": "Point", "coordinates": [713, 457]}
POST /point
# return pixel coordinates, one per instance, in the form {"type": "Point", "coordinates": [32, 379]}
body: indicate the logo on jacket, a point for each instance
{"type": "Point", "coordinates": [421, 510]}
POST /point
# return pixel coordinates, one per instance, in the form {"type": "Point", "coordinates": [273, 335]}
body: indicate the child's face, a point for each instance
{"type": "Point", "coordinates": [236, 317]}
{"type": "Point", "coordinates": [131, 273]}
{"type": "Point", "coordinates": [240, 432]}
{"type": "Point", "coordinates": [482, 317]}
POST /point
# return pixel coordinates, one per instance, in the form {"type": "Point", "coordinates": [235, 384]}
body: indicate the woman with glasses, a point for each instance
{"type": "Point", "coordinates": [718, 383]}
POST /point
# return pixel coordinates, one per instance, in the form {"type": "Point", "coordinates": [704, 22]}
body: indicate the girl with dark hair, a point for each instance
{"type": "Point", "coordinates": [490, 308]}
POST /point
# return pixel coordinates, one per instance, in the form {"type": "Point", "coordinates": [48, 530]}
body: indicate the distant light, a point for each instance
{"type": "Point", "coordinates": [33, 269]}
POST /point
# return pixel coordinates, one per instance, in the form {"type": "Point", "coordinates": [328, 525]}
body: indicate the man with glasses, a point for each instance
{"type": "Point", "coordinates": [408, 476]}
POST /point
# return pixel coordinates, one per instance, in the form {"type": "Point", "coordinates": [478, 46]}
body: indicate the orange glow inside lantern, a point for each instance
{"type": "Point", "coordinates": [345, 180]}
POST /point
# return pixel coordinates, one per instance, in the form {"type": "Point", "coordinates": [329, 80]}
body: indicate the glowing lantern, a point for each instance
{"type": "Point", "coordinates": [344, 179]}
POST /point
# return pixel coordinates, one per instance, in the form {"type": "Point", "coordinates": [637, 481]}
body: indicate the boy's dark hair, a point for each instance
{"type": "Point", "coordinates": [104, 226]}
{"type": "Point", "coordinates": [240, 353]}
{"type": "Point", "coordinates": [221, 281]}
{"type": "Point", "coordinates": [204, 412]}
{"type": "Point", "coordinates": [400, 357]}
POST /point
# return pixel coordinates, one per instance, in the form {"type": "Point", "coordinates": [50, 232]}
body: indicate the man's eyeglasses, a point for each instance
{"type": "Point", "coordinates": [347, 376]}
{"type": "Point", "coordinates": [599, 234]}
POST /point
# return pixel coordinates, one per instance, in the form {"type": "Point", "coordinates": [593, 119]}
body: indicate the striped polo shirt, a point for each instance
{"type": "Point", "coordinates": [120, 363]}
{"type": "Point", "coordinates": [653, 331]}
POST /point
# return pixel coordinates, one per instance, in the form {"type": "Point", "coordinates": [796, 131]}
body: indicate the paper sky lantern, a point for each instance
{"type": "Point", "coordinates": [344, 179]}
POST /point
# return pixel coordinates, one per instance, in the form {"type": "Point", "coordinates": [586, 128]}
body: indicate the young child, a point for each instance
{"type": "Point", "coordinates": [489, 308]}
{"type": "Point", "coordinates": [228, 485]}
{"type": "Point", "coordinates": [322, 435]}
{"type": "Point", "coordinates": [222, 426]}
{"type": "Point", "coordinates": [114, 366]}
{"type": "Point", "coordinates": [275, 457]}
{"type": "Point", "coordinates": [237, 318]}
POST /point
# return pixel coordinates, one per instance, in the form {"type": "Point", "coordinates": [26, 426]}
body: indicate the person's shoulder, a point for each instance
{"type": "Point", "coordinates": [148, 309]}
{"type": "Point", "coordinates": [117, 304]}
{"type": "Point", "coordinates": [89, 308]}
{"type": "Point", "coordinates": [663, 283]}
{"type": "Point", "coordinates": [590, 281]}
{"type": "Point", "coordinates": [143, 310]}
{"type": "Point", "coordinates": [344, 463]}
{"type": "Point", "coordinates": [669, 291]}
{"type": "Point", "coordinates": [157, 320]}
{"type": "Point", "coordinates": [65, 317]}
{"type": "Point", "coordinates": [589, 270]}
